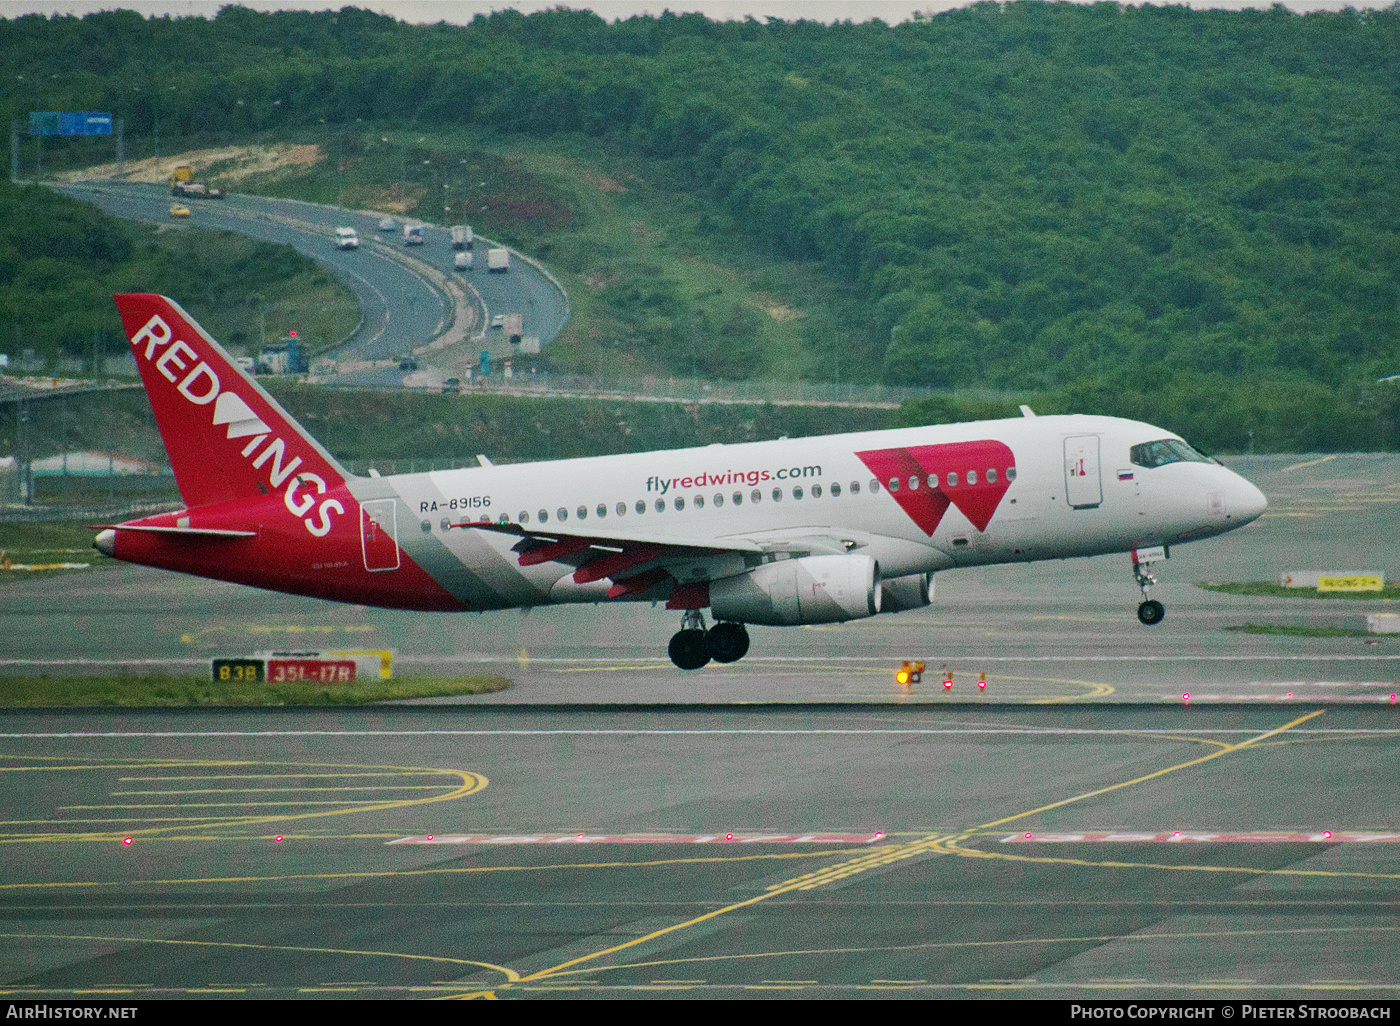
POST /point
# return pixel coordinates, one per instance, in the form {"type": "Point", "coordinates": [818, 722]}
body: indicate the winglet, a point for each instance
{"type": "Point", "coordinates": [227, 438]}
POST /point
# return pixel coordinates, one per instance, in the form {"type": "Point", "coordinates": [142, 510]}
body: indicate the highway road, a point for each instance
{"type": "Point", "coordinates": [403, 292]}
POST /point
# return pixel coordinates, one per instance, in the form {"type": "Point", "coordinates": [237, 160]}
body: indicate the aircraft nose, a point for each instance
{"type": "Point", "coordinates": [1246, 502]}
{"type": "Point", "coordinates": [105, 542]}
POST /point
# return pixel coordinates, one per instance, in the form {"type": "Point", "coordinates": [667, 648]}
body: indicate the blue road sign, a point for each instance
{"type": "Point", "coordinates": [55, 122]}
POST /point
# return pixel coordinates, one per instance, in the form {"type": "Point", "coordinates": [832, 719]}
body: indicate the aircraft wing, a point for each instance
{"type": "Point", "coordinates": [635, 564]}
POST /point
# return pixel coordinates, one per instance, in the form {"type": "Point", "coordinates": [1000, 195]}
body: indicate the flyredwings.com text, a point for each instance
{"type": "Point", "coordinates": [706, 479]}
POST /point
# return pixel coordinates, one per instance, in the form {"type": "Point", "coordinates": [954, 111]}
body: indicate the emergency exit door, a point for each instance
{"type": "Point", "coordinates": [379, 534]}
{"type": "Point", "coordinates": [1083, 486]}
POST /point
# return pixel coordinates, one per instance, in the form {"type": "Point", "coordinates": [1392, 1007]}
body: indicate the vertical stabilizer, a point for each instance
{"type": "Point", "coordinates": [226, 437]}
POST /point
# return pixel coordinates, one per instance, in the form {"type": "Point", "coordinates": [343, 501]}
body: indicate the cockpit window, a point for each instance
{"type": "Point", "coordinates": [1168, 450]}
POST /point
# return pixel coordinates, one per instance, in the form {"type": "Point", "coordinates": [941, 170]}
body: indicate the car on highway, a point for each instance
{"type": "Point", "coordinates": [387, 224]}
{"type": "Point", "coordinates": [177, 210]}
{"type": "Point", "coordinates": [347, 238]}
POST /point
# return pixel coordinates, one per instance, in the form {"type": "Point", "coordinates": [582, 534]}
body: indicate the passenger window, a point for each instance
{"type": "Point", "coordinates": [544, 516]}
{"type": "Point", "coordinates": [855, 487]}
{"type": "Point", "coordinates": [816, 491]}
{"type": "Point", "coordinates": [446, 524]}
{"type": "Point", "coordinates": [698, 502]}
{"type": "Point", "coordinates": [913, 483]}
{"type": "Point", "coordinates": [933, 480]}
{"type": "Point", "coordinates": [991, 475]}
{"type": "Point", "coordinates": [562, 514]}
{"type": "Point", "coordinates": [755, 496]}
{"type": "Point", "coordinates": [797, 492]}
{"type": "Point", "coordinates": [952, 479]}
{"type": "Point", "coordinates": [894, 484]}
{"type": "Point", "coordinates": [524, 516]}
{"type": "Point", "coordinates": [661, 505]}
{"type": "Point", "coordinates": [738, 498]}
{"type": "Point", "coordinates": [835, 490]}
{"type": "Point", "coordinates": [719, 499]}
{"type": "Point", "coordinates": [602, 509]}
{"type": "Point", "coordinates": [972, 477]}
{"type": "Point", "coordinates": [582, 512]}
{"type": "Point", "coordinates": [777, 495]}
{"type": "Point", "coordinates": [622, 509]}
{"type": "Point", "coordinates": [505, 518]}
{"type": "Point", "coordinates": [874, 487]}
{"type": "Point", "coordinates": [1011, 473]}
{"type": "Point", "coordinates": [641, 505]}
{"type": "Point", "coordinates": [679, 504]}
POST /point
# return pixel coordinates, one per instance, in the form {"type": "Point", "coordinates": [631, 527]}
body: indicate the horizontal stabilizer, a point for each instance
{"type": "Point", "coordinates": [209, 532]}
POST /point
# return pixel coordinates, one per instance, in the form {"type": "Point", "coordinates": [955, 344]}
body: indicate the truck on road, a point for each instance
{"type": "Point", "coordinates": [498, 260]}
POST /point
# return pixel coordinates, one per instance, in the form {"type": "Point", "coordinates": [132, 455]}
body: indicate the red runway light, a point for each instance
{"type": "Point", "coordinates": [127, 840]}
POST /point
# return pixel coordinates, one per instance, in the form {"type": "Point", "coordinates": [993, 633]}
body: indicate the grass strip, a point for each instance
{"type": "Point", "coordinates": [1389, 593]}
{"type": "Point", "coordinates": [129, 690]}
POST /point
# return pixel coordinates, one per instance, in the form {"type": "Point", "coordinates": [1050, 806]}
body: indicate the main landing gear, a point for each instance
{"type": "Point", "coordinates": [1151, 611]}
{"type": "Point", "coordinates": [693, 646]}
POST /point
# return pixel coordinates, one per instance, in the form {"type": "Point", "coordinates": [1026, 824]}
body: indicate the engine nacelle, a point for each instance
{"type": "Point", "coordinates": [912, 592]}
{"type": "Point", "coordinates": [814, 589]}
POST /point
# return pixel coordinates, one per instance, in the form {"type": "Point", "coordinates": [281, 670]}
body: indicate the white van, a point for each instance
{"type": "Point", "coordinates": [462, 262]}
{"type": "Point", "coordinates": [347, 238]}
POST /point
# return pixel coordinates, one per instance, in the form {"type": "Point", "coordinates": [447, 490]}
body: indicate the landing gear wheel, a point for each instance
{"type": "Point", "coordinates": [1151, 612]}
{"type": "Point", "coordinates": [689, 649]}
{"type": "Point", "coordinates": [728, 642]}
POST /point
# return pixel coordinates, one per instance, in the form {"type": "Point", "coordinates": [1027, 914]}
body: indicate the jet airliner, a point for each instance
{"type": "Point", "coordinates": [788, 532]}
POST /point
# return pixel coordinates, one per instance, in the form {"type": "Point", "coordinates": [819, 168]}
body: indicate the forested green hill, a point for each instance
{"type": "Point", "coordinates": [1189, 216]}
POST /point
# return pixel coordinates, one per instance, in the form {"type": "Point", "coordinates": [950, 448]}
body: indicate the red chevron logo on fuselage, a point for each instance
{"type": "Point", "coordinates": [925, 479]}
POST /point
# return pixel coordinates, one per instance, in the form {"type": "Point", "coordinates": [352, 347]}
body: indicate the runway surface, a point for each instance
{"type": "Point", "coordinates": [808, 851]}
{"type": "Point", "coordinates": [791, 825]}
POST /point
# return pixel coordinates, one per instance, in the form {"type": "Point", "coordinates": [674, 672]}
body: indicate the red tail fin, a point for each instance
{"type": "Point", "coordinates": [226, 437]}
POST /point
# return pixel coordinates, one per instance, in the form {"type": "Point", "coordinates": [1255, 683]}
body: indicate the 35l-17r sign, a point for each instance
{"type": "Point", "coordinates": [56, 122]}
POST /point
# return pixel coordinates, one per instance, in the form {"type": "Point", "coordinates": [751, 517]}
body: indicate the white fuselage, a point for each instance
{"type": "Point", "coordinates": [1067, 486]}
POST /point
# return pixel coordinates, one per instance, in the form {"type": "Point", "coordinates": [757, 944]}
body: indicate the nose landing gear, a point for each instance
{"type": "Point", "coordinates": [1151, 611]}
{"type": "Point", "coordinates": [693, 646]}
